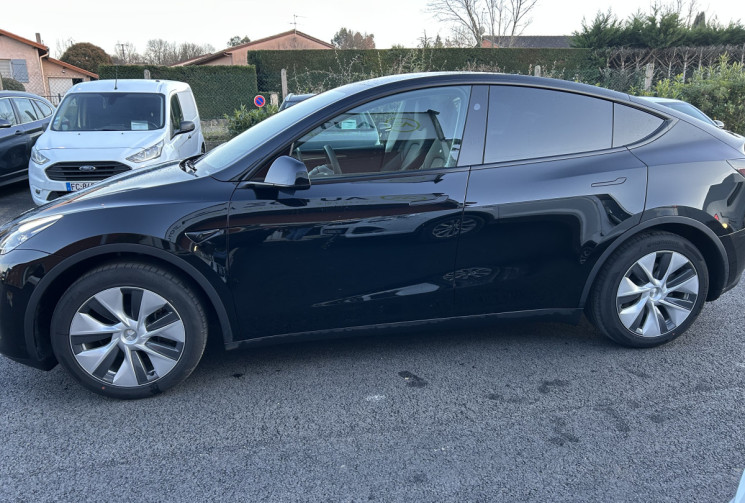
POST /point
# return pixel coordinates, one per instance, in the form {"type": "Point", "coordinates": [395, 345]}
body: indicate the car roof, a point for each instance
{"type": "Point", "coordinates": [21, 94]}
{"type": "Point", "coordinates": [130, 86]}
{"type": "Point", "coordinates": [476, 78]}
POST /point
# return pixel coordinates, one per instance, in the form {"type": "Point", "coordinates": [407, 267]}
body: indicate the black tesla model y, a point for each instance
{"type": "Point", "coordinates": [386, 204]}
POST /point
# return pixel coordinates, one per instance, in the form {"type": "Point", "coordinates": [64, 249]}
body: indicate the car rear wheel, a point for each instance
{"type": "Point", "coordinates": [129, 330]}
{"type": "Point", "coordinates": [650, 290]}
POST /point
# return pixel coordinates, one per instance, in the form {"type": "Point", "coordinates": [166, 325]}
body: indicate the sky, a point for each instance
{"type": "Point", "coordinates": [108, 22]}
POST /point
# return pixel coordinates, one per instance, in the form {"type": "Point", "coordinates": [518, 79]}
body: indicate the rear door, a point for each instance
{"type": "Point", "coordinates": [374, 239]}
{"type": "Point", "coordinates": [13, 142]}
{"type": "Point", "coordinates": [558, 175]}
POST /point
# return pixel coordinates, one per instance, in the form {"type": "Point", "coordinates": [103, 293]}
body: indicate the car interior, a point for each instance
{"type": "Point", "coordinates": [407, 132]}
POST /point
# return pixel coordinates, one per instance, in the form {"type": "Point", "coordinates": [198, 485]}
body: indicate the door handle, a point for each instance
{"type": "Point", "coordinates": [617, 181]}
{"type": "Point", "coordinates": [18, 132]}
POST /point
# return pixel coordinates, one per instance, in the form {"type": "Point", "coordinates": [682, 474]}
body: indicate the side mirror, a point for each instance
{"type": "Point", "coordinates": [287, 172]}
{"type": "Point", "coordinates": [5, 123]}
{"type": "Point", "coordinates": [44, 127]}
{"type": "Point", "coordinates": [719, 124]}
{"type": "Point", "coordinates": [186, 127]}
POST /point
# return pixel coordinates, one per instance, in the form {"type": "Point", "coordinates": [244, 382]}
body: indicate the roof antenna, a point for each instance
{"type": "Point", "coordinates": [119, 46]}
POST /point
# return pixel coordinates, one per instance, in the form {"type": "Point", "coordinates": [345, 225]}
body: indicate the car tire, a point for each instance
{"type": "Point", "coordinates": [650, 290]}
{"type": "Point", "coordinates": [129, 330]}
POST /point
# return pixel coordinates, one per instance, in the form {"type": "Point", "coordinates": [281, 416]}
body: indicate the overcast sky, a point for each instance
{"type": "Point", "coordinates": [106, 22]}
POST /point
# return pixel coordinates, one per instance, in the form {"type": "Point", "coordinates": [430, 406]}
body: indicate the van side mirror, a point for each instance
{"type": "Point", "coordinates": [287, 172]}
{"type": "Point", "coordinates": [186, 127]}
{"type": "Point", "coordinates": [4, 123]}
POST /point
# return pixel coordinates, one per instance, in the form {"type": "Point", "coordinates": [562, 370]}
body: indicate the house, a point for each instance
{"type": "Point", "coordinates": [529, 42]}
{"type": "Point", "coordinates": [29, 63]}
{"type": "Point", "coordinates": [288, 40]}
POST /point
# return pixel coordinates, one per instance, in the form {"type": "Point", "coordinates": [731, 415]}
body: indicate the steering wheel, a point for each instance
{"type": "Point", "coordinates": [331, 155]}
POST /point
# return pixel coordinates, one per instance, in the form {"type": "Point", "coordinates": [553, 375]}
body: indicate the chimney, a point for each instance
{"type": "Point", "coordinates": [38, 38]}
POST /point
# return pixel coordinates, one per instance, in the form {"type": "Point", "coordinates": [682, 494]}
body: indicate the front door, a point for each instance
{"type": "Point", "coordinates": [374, 239]}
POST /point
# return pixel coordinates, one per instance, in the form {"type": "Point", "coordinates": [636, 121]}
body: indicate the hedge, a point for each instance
{"type": "Point", "coordinates": [313, 70]}
{"type": "Point", "coordinates": [218, 90]}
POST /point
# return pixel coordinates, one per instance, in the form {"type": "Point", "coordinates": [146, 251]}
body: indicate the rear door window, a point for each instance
{"type": "Point", "coordinates": [45, 109]}
{"type": "Point", "coordinates": [26, 109]}
{"type": "Point", "coordinates": [526, 123]}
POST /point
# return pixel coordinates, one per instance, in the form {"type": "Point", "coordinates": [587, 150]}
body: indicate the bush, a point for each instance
{"type": "Point", "coordinates": [718, 90]}
{"type": "Point", "coordinates": [314, 70]}
{"type": "Point", "coordinates": [12, 85]}
{"type": "Point", "coordinates": [243, 118]}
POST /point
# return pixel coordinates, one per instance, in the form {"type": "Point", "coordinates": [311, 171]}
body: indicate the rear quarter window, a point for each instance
{"type": "Point", "coordinates": [631, 125]}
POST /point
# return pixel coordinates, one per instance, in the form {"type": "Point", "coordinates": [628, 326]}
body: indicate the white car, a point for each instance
{"type": "Point", "coordinates": [107, 127]}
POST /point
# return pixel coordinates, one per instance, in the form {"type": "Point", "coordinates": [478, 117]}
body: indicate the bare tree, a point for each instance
{"type": "Point", "coordinates": [126, 54]}
{"type": "Point", "coordinates": [465, 15]}
{"type": "Point", "coordinates": [498, 20]}
{"type": "Point", "coordinates": [62, 45]}
{"type": "Point", "coordinates": [189, 50]}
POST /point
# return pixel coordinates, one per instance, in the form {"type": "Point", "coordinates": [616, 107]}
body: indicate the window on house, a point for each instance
{"type": "Point", "coordinates": [6, 71]}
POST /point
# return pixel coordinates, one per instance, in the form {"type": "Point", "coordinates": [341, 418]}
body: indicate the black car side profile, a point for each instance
{"type": "Point", "coordinates": [385, 204]}
{"type": "Point", "coordinates": [23, 117]}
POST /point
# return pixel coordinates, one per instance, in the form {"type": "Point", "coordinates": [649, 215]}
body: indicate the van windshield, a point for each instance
{"type": "Point", "coordinates": [110, 112]}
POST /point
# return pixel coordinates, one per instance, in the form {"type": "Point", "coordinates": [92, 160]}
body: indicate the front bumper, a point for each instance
{"type": "Point", "coordinates": [20, 272]}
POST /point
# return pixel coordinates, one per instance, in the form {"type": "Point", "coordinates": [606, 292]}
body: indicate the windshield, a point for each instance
{"type": "Point", "coordinates": [687, 109]}
{"type": "Point", "coordinates": [110, 112]}
{"type": "Point", "coordinates": [227, 153]}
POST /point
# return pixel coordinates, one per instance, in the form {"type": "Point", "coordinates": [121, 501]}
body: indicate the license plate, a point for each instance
{"type": "Point", "coordinates": [73, 186]}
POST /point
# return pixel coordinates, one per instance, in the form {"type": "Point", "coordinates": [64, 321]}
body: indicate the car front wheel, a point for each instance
{"type": "Point", "coordinates": [129, 330]}
{"type": "Point", "coordinates": [650, 290]}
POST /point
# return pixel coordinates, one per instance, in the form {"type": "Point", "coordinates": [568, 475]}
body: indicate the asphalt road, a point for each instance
{"type": "Point", "coordinates": [520, 412]}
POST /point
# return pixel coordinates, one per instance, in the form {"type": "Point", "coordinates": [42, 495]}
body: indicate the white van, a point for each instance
{"type": "Point", "coordinates": [106, 127]}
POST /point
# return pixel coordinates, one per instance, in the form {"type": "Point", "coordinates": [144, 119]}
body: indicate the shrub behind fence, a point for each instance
{"type": "Point", "coordinates": [218, 90]}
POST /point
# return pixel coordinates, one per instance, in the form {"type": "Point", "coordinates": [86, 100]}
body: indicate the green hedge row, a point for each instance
{"type": "Point", "coordinates": [218, 89]}
{"type": "Point", "coordinates": [312, 70]}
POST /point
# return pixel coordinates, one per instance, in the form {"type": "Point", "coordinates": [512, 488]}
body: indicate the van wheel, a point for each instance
{"type": "Point", "coordinates": [650, 290]}
{"type": "Point", "coordinates": [129, 330]}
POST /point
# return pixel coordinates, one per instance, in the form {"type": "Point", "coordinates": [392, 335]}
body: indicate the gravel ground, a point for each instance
{"type": "Point", "coordinates": [517, 412]}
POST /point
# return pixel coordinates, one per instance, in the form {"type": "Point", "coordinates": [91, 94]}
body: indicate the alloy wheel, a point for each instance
{"type": "Point", "coordinates": [657, 293]}
{"type": "Point", "coordinates": [127, 336]}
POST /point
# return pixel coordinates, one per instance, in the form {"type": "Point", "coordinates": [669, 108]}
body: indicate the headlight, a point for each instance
{"type": "Point", "coordinates": [147, 154]}
{"type": "Point", "coordinates": [26, 230]}
{"type": "Point", "coordinates": [37, 157]}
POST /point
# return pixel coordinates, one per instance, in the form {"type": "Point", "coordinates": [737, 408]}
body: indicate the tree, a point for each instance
{"type": "Point", "coordinates": [348, 39]}
{"type": "Point", "coordinates": [426, 42]}
{"type": "Point", "coordinates": [86, 56]}
{"type": "Point", "coordinates": [237, 40]}
{"type": "Point", "coordinates": [473, 20]}
{"type": "Point", "coordinates": [163, 52]}
{"type": "Point", "coordinates": [126, 54]}
{"type": "Point", "coordinates": [62, 46]}
{"type": "Point", "coordinates": [189, 50]}
{"type": "Point", "coordinates": [664, 26]}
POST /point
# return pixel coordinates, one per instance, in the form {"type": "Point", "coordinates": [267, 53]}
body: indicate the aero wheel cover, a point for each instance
{"type": "Point", "coordinates": [657, 294]}
{"type": "Point", "coordinates": [127, 336]}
